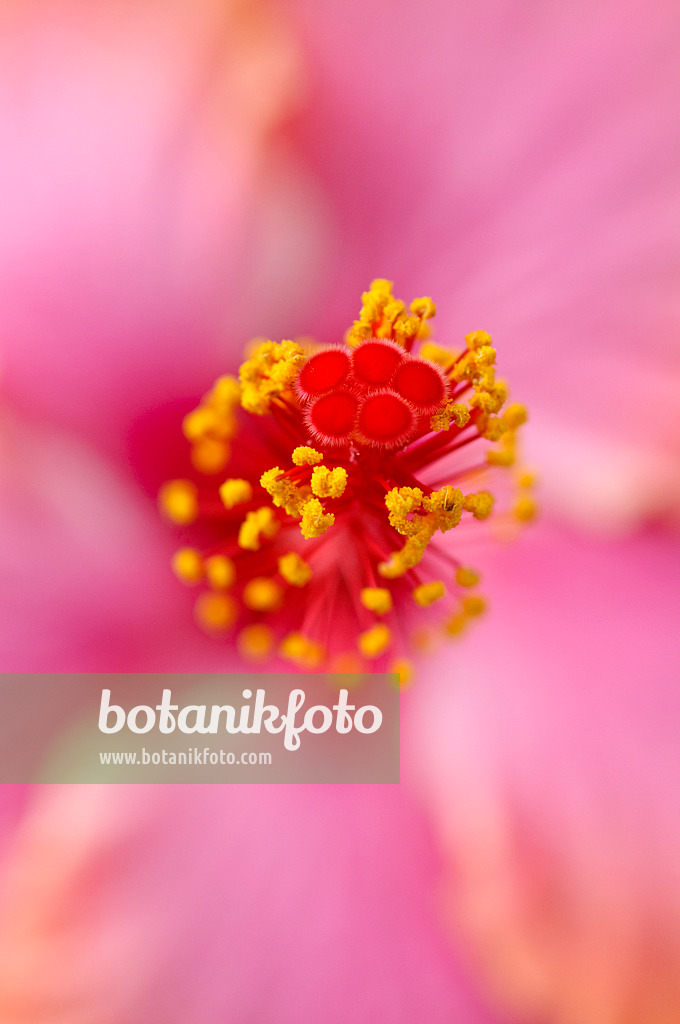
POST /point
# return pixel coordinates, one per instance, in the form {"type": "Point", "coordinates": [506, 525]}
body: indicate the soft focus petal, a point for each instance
{"type": "Point", "coordinates": [142, 214]}
{"type": "Point", "coordinates": [188, 904]}
{"type": "Point", "coordinates": [548, 748]}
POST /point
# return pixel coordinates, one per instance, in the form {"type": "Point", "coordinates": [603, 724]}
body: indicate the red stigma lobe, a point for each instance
{"type": "Point", "coordinates": [420, 383]}
{"type": "Point", "coordinates": [332, 416]}
{"type": "Point", "coordinates": [323, 371]}
{"type": "Point", "coordinates": [374, 362]}
{"type": "Point", "coordinates": [385, 418]}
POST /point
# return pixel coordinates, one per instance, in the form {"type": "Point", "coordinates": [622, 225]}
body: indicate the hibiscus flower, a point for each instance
{"type": "Point", "coordinates": [519, 159]}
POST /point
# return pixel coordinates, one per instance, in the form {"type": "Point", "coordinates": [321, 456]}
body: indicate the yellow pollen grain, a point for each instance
{"type": "Point", "coordinates": [374, 641]}
{"type": "Point", "coordinates": [403, 669]}
{"type": "Point", "coordinates": [215, 613]}
{"type": "Point", "coordinates": [473, 605]}
{"type": "Point", "coordinates": [294, 569]}
{"type": "Point", "coordinates": [427, 593]}
{"type": "Point", "coordinates": [466, 577]}
{"type": "Point", "coordinates": [258, 525]}
{"type": "Point", "coordinates": [178, 500]}
{"type": "Point", "coordinates": [187, 565]}
{"type": "Point", "coordinates": [376, 599]}
{"type": "Point", "coordinates": [235, 492]}
{"type": "Point", "coordinates": [329, 483]}
{"type": "Point", "coordinates": [262, 594]}
{"type": "Point", "coordinates": [524, 508]}
{"type": "Point", "coordinates": [315, 521]}
{"type": "Point", "coordinates": [255, 642]}
{"type": "Point", "coordinates": [526, 478]}
{"type": "Point", "coordinates": [302, 651]}
{"type": "Point", "coordinates": [304, 456]}
{"type": "Point", "coordinates": [220, 572]}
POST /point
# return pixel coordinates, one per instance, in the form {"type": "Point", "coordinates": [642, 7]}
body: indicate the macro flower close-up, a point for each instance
{"type": "Point", "coordinates": [234, 436]}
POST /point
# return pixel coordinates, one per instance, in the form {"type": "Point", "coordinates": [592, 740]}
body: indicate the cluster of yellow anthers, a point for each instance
{"type": "Point", "coordinates": [383, 316]}
{"type": "Point", "coordinates": [365, 423]}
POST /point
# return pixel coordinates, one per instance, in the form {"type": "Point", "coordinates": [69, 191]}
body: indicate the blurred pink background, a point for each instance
{"type": "Point", "coordinates": [178, 177]}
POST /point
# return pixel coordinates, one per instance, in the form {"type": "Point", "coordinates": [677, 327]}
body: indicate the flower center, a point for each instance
{"type": "Point", "coordinates": [329, 556]}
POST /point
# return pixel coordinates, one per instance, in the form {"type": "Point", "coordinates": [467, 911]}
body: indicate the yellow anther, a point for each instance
{"type": "Point", "coordinates": [255, 642]}
{"type": "Point", "coordinates": [210, 455]}
{"type": "Point", "coordinates": [225, 394]}
{"type": "Point", "coordinates": [315, 521]}
{"type": "Point", "coordinates": [268, 373]}
{"type": "Point", "coordinates": [187, 565]}
{"type": "Point", "coordinates": [494, 428]}
{"type": "Point", "coordinates": [515, 415]}
{"type": "Point", "coordinates": [257, 526]}
{"type": "Point", "coordinates": [235, 492]}
{"type": "Point", "coordinates": [329, 483]}
{"type": "Point", "coordinates": [347, 663]}
{"type": "Point", "coordinates": [304, 456]}
{"type": "Point", "coordinates": [284, 493]}
{"type": "Point", "coordinates": [178, 500]}
{"type": "Point", "coordinates": [406, 328]}
{"type": "Point", "coordinates": [403, 669]}
{"type": "Point", "coordinates": [220, 572]}
{"type": "Point", "coordinates": [262, 594]}
{"type": "Point", "coordinates": [526, 478]}
{"type": "Point", "coordinates": [428, 593]}
{"type": "Point", "coordinates": [215, 612]}
{"type": "Point", "coordinates": [477, 340]}
{"type": "Point", "coordinates": [301, 650]}
{"type": "Point", "coordinates": [377, 599]}
{"type": "Point", "coordinates": [456, 625]}
{"type": "Point", "coordinates": [479, 504]}
{"type": "Point", "coordinates": [436, 354]}
{"type": "Point", "coordinates": [473, 605]}
{"type": "Point", "coordinates": [374, 641]}
{"type": "Point", "coordinates": [501, 458]}
{"type": "Point", "coordinates": [444, 508]}
{"type": "Point", "coordinates": [451, 412]}
{"type": "Point", "coordinates": [294, 569]}
{"type": "Point", "coordinates": [199, 422]}
{"type": "Point", "coordinates": [466, 577]}
{"type": "Point", "coordinates": [424, 308]}
{"type": "Point", "coordinates": [401, 503]}
{"type": "Point", "coordinates": [525, 508]}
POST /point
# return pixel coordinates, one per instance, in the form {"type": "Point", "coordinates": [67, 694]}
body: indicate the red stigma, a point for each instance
{"type": "Point", "coordinates": [332, 416]}
{"type": "Point", "coordinates": [420, 383]}
{"type": "Point", "coordinates": [374, 362]}
{"type": "Point", "coordinates": [323, 371]}
{"type": "Point", "coordinates": [385, 419]}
